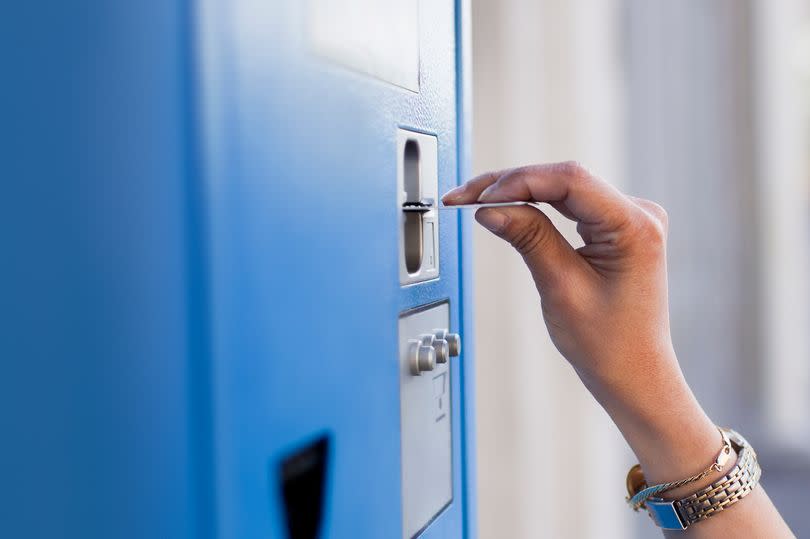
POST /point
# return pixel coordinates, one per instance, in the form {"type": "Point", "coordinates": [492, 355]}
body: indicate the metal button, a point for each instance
{"type": "Point", "coordinates": [439, 345]}
{"type": "Point", "coordinates": [421, 357]}
{"type": "Point", "coordinates": [453, 341]}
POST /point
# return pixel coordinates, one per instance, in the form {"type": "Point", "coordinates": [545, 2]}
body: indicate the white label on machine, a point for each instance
{"type": "Point", "coordinates": [376, 37]}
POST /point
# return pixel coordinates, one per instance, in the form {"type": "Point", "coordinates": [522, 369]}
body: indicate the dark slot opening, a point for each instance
{"type": "Point", "coordinates": [413, 221]}
{"type": "Point", "coordinates": [303, 478]}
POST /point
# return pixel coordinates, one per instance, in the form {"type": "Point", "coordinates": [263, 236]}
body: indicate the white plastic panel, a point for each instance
{"type": "Point", "coordinates": [426, 420]}
{"type": "Point", "coordinates": [377, 37]}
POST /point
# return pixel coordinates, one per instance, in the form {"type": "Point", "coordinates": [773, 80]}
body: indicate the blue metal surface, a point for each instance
{"type": "Point", "coordinates": [464, 117]}
{"type": "Point", "coordinates": [304, 241]}
{"type": "Point", "coordinates": [186, 297]}
{"type": "Point", "coordinates": [95, 291]}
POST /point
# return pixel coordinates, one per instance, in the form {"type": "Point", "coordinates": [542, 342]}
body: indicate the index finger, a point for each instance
{"type": "Point", "coordinates": [468, 192]}
{"type": "Point", "coordinates": [586, 198]}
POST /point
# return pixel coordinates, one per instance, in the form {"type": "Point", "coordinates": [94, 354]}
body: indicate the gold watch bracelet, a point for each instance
{"type": "Point", "coordinates": [638, 484]}
{"type": "Point", "coordinates": [708, 501]}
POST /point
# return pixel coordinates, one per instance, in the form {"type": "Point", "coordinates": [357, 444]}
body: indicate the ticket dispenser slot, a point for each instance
{"type": "Point", "coordinates": [418, 186]}
{"type": "Point", "coordinates": [302, 478]}
{"type": "Point", "coordinates": [425, 349]}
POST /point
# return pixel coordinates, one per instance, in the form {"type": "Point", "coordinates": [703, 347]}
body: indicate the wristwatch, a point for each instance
{"type": "Point", "coordinates": [734, 486]}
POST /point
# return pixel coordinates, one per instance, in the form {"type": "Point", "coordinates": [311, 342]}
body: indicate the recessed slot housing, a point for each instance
{"type": "Point", "coordinates": [418, 183]}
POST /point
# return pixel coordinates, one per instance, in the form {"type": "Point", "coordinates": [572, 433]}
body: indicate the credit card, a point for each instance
{"type": "Point", "coordinates": [486, 205]}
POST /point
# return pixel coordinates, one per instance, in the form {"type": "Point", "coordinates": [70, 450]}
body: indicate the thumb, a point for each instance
{"type": "Point", "coordinates": [547, 253]}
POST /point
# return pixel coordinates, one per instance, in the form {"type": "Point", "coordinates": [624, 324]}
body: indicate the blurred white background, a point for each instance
{"type": "Point", "coordinates": [703, 106]}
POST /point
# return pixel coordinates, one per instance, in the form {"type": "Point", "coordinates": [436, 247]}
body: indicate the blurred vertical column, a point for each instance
{"type": "Point", "coordinates": [690, 147]}
{"type": "Point", "coordinates": [718, 133]}
{"type": "Point", "coordinates": [547, 86]}
{"type": "Point", "coordinates": [781, 64]}
{"type": "Point", "coordinates": [781, 81]}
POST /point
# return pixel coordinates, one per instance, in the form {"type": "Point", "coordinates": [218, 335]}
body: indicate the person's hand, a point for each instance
{"type": "Point", "coordinates": [605, 307]}
{"type": "Point", "coordinates": [604, 304]}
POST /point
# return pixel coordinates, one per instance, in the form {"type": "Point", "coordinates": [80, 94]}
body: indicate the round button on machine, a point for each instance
{"type": "Point", "coordinates": [421, 357]}
{"type": "Point", "coordinates": [440, 346]}
{"type": "Point", "coordinates": [453, 341]}
{"type": "Point", "coordinates": [432, 348]}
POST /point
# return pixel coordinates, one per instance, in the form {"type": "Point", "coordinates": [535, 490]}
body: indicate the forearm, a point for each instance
{"type": "Point", "coordinates": [673, 438]}
{"type": "Point", "coordinates": [660, 418]}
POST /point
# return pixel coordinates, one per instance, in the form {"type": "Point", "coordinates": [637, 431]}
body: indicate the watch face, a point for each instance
{"type": "Point", "coordinates": [635, 480]}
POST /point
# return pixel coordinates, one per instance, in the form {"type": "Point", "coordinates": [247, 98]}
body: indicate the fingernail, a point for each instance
{"type": "Point", "coordinates": [492, 219]}
{"type": "Point", "coordinates": [454, 193]}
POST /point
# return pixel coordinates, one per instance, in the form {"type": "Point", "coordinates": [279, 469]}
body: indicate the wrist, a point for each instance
{"type": "Point", "coordinates": [673, 447]}
{"type": "Point", "coordinates": [661, 420]}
